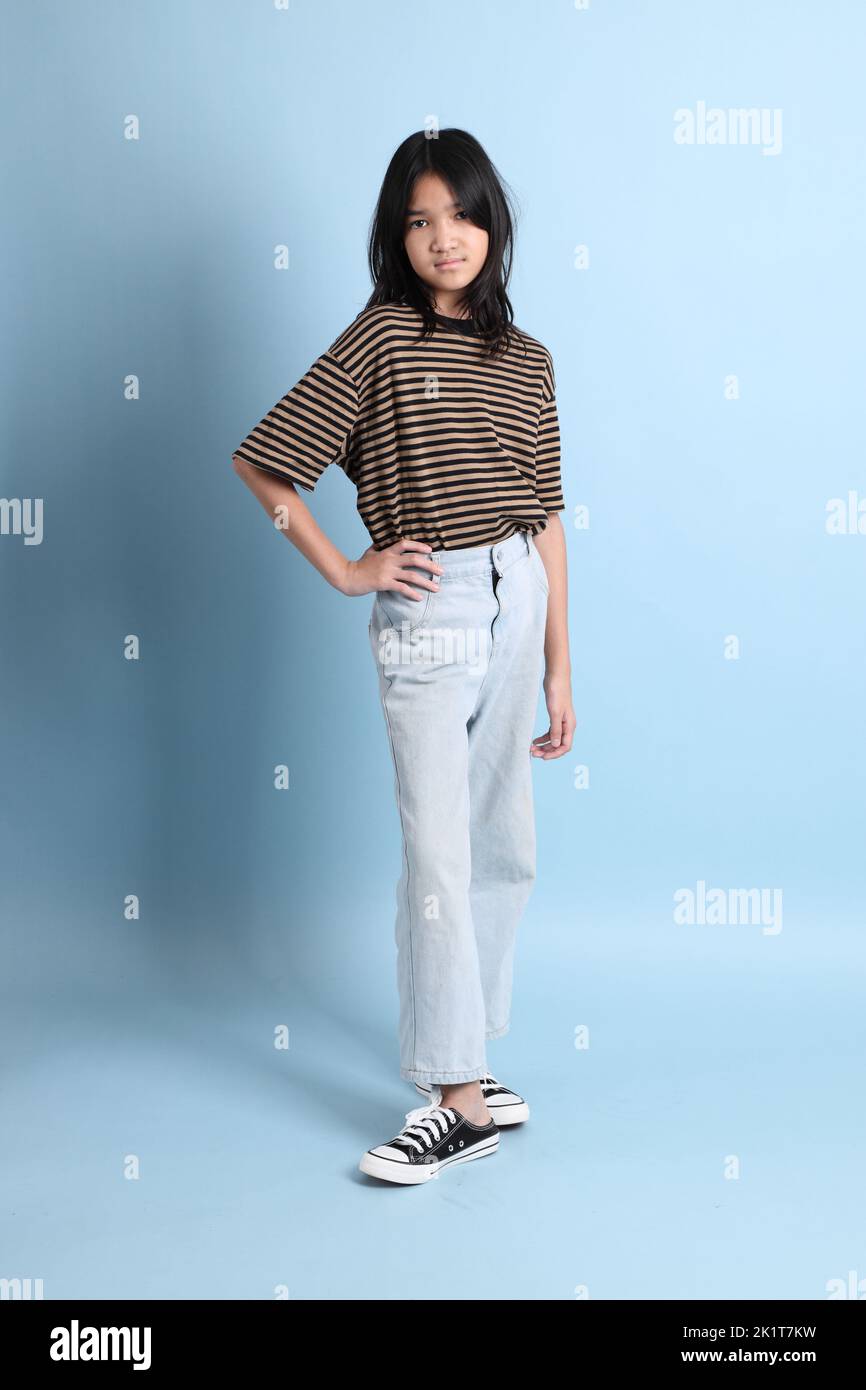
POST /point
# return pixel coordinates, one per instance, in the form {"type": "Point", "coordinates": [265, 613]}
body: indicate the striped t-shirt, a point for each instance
{"type": "Point", "coordinates": [443, 445]}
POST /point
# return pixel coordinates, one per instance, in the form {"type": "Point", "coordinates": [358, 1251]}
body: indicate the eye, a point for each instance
{"type": "Point", "coordinates": [422, 221]}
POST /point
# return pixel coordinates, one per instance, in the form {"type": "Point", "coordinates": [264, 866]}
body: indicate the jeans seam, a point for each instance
{"type": "Point", "coordinates": [534, 560]}
{"type": "Point", "coordinates": [482, 1070]}
{"type": "Point", "coordinates": [423, 621]}
{"type": "Point", "coordinates": [496, 615]}
{"type": "Point", "coordinates": [492, 1033]}
{"type": "Point", "coordinates": [406, 856]}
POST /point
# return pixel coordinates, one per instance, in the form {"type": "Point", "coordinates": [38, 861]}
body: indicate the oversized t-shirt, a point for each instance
{"type": "Point", "coordinates": [443, 445]}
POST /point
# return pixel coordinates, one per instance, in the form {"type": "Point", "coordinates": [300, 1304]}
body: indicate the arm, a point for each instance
{"type": "Point", "coordinates": [550, 544]}
{"type": "Point", "coordinates": [376, 569]}
{"type": "Point", "coordinates": [289, 513]}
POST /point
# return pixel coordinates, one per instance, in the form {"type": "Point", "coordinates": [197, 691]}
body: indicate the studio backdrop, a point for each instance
{"type": "Point", "coordinates": [200, 844]}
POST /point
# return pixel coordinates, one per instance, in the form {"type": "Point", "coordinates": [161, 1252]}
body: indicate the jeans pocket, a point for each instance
{"type": "Point", "coordinates": [399, 608]}
{"type": "Point", "coordinates": [538, 569]}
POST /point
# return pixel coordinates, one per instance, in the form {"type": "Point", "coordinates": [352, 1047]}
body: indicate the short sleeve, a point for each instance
{"type": "Point", "coordinates": [548, 464]}
{"type": "Point", "coordinates": [308, 428]}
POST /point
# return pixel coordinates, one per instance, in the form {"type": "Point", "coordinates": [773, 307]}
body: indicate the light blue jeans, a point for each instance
{"type": "Point", "coordinates": [459, 677]}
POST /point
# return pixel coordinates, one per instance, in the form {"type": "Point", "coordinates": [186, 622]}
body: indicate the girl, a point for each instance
{"type": "Point", "coordinates": [443, 415]}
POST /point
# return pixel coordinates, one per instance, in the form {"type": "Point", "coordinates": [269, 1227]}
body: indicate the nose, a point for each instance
{"type": "Point", "coordinates": [442, 240]}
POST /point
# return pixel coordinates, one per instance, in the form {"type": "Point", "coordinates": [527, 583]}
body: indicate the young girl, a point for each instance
{"type": "Point", "coordinates": [443, 415]}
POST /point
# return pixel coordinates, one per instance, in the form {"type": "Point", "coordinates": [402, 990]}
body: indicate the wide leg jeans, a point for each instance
{"type": "Point", "coordinates": [459, 677]}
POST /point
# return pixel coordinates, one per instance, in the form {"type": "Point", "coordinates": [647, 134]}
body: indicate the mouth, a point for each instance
{"type": "Point", "coordinates": [449, 265]}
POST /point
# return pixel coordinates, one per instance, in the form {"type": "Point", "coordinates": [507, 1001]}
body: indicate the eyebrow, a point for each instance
{"type": "Point", "coordinates": [422, 212]}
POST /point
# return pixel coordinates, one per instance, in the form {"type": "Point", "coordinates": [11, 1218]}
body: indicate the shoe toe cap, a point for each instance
{"type": "Point", "coordinates": [388, 1151]}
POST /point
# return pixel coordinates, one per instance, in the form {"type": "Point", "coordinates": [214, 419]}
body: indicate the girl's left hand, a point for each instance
{"type": "Point", "coordinates": [558, 739]}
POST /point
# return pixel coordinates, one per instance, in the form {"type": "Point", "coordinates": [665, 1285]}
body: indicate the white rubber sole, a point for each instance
{"type": "Point", "coordinates": [501, 1115]}
{"type": "Point", "coordinates": [392, 1170]}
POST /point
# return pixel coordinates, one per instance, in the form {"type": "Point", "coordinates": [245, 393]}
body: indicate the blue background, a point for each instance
{"type": "Point", "coordinates": [260, 908]}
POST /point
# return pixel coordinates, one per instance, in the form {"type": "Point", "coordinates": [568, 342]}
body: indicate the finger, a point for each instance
{"type": "Point", "coordinates": [564, 745]}
{"type": "Point", "coordinates": [408, 574]}
{"type": "Point", "coordinates": [548, 747]}
{"type": "Point", "coordinates": [404, 582]}
{"type": "Point", "coordinates": [425, 584]}
{"type": "Point", "coordinates": [401, 588]}
{"type": "Point", "coordinates": [420, 546]}
{"type": "Point", "coordinates": [427, 562]}
{"type": "Point", "coordinates": [556, 752]}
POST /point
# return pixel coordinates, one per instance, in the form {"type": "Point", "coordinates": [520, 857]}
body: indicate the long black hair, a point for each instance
{"type": "Point", "coordinates": [464, 165]}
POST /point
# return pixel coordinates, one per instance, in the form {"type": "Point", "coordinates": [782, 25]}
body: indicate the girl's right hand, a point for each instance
{"type": "Point", "coordinates": [391, 569]}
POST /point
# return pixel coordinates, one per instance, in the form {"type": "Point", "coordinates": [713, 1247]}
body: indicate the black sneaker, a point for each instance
{"type": "Point", "coordinates": [506, 1106]}
{"type": "Point", "coordinates": [433, 1138]}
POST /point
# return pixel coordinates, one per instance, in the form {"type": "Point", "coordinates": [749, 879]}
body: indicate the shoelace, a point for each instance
{"type": "Point", "coordinates": [423, 1125]}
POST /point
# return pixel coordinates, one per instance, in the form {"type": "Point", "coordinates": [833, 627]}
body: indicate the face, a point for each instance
{"type": "Point", "coordinates": [445, 248]}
